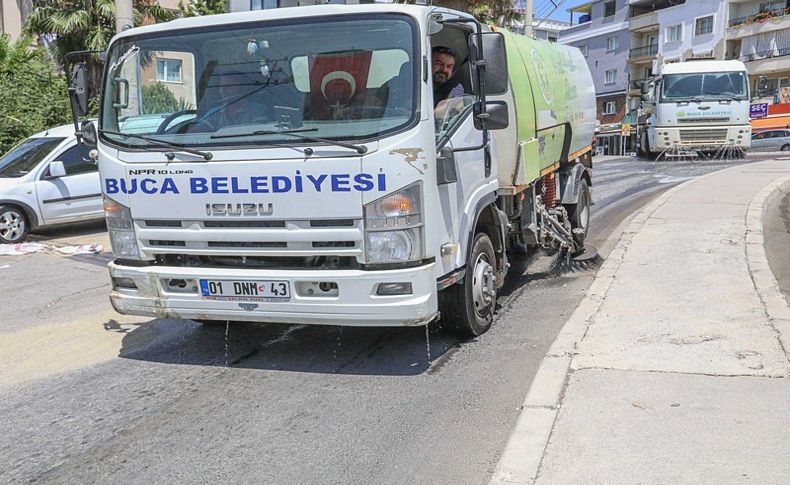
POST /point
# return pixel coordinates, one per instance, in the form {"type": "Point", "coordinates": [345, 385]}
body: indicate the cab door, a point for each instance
{"type": "Point", "coordinates": [75, 196]}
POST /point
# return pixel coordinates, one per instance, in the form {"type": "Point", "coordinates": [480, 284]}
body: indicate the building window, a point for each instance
{"type": "Point", "coordinates": [552, 39]}
{"type": "Point", "coordinates": [168, 70]}
{"type": "Point", "coordinates": [608, 9]}
{"type": "Point", "coordinates": [675, 32]}
{"type": "Point", "coordinates": [610, 107]}
{"type": "Point", "coordinates": [263, 4]}
{"type": "Point", "coordinates": [611, 44]}
{"type": "Point", "coordinates": [703, 25]}
{"type": "Point", "coordinates": [611, 76]}
{"type": "Point", "coordinates": [585, 49]}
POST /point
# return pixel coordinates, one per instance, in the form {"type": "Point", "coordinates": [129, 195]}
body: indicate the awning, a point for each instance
{"type": "Point", "coordinates": [773, 122]}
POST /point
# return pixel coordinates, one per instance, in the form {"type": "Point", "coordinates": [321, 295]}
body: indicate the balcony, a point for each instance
{"type": "Point", "coordinates": [759, 17]}
{"type": "Point", "coordinates": [758, 23]}
{"type": "Point", "coordinates": [778, 52]}
{"type": "Point", "coordinates": [648, 50]}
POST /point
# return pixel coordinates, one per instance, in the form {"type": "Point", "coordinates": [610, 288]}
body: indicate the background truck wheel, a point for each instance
{"type": "Point", "coordinates": [468, 308]}
{"type": "Point", "coordinates": [579, 213]}
{"type": "Point", "coordinates": [14, 225]}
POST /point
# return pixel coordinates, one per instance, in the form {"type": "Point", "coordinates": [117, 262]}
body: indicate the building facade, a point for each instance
{"type": "Point", "coordinates": [758, 33]}
{"type": "Point", "coordinates": [600, 31]}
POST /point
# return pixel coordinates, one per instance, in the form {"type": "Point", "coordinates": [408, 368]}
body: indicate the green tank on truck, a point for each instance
{"type": "Point", "coordinates": [315, 179]}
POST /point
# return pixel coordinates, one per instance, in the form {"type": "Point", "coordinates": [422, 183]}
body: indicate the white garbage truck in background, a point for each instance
{"type": "Point", "coordinates": [302, 172]}
{"type": "Point", "coordinates": [696, 106]}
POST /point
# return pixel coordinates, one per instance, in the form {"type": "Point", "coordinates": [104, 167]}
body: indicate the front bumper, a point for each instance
{"type": "Point", "coordinates": [354, 304]}
{"type": "Point", "coordinates": [701, 137]}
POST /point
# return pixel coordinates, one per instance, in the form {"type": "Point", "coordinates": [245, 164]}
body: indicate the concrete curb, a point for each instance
{"type": "Point", "coordinates": [523, 453]}
{"type": "Point", "coordinates": [776, 307]}
{"type": "Point", "coordinates": [524, 450]}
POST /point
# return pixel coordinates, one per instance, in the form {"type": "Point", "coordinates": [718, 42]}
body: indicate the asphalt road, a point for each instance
{"type": "Point", "coordinates": [87, 395]}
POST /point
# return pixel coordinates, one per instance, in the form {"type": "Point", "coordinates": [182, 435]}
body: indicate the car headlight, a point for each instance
{"type": "Point", "coordinates": [121, 230]}
{"type": "Point", "coordinates": [393, 227]}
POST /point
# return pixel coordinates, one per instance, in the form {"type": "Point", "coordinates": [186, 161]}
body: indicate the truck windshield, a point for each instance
{"type": "Point", "coordinates": [25, 156]}
{"type": "Point", "coordinates": [703, 86]}
{"type": "Point", "coordinates": [344, 78]}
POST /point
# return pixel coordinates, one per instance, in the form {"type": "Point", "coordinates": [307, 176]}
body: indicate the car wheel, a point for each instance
{"type": "Point", "coordinates": [785, 148]}
{"type": "Point", "coordinates": [14, 225]}
{"type": "Point", "coordinates": [468, 307]}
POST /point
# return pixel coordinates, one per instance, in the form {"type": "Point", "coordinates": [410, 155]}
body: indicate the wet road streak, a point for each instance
{"type": "Point", "coordinates": [299, 404]}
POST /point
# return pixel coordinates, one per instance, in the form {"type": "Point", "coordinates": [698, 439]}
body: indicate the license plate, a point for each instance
{"type": "Point", "coordinates": [245, 290]}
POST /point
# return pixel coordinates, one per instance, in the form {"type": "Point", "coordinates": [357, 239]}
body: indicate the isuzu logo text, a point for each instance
{"type": "Point", "coordinates": [239, 209]}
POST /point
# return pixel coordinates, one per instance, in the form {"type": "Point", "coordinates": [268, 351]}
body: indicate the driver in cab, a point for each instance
{"type": "Point", "coordinates": [237, 104]}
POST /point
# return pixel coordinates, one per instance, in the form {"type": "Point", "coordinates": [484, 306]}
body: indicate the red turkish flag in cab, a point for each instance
{"type": "Point", "coordinates": [335, 79]}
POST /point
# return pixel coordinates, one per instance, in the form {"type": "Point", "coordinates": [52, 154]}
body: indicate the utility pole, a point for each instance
{"type": "Point", "coordinates": [123, 15]}
{"type": "Point", "coordinates": [528, 4]}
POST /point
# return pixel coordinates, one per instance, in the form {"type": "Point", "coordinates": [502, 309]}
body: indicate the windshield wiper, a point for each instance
{"type": "Point", "coordinates": [296, 132]}
{"type": "Point", "coordinates": [731, 97]}
{"type": "Point", "coordinates": [206, 155]}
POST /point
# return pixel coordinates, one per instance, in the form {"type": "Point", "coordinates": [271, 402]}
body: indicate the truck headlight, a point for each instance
{"type": "Point", "coordinates": [393, 227]}
{"type": "Point", "coordinates": [121, 230]}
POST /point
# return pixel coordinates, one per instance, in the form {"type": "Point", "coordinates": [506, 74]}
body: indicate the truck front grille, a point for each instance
{"type": "Point", "coordinates": [239, 237]}
{"type": "Point", "coordinates": [704, 136]}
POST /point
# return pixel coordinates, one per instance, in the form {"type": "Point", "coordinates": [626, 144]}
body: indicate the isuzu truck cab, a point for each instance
{"type": "Point", "coordinates": [303, 172]}
{"type": "Point", "coordinates": [700, 106]}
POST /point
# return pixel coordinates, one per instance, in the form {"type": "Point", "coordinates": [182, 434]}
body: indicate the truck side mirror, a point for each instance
{"type": "Point", "coordinates": [56, 170]}
{"type": "Point", "coordinates": [79, 89]}
{"type": "Point", "coordinates": [493, 54]}
{"type": "Point", "coordinates": [495, 117]}
{"type": "Point", "coordinates": [762, 87]}
{"type": "Point", "coordinates": [88, 134]}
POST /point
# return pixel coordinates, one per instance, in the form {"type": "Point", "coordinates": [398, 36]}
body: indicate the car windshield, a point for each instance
{"type": "Point", "coordinates": [24, 157]}
{"type": "Point", "coordinates": [195, 87]}
{"type": "Point", "coordinates": [703, 86]}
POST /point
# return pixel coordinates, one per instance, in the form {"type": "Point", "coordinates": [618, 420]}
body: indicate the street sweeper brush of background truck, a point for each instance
{"type": "Point", "coordinates": [300, 170]}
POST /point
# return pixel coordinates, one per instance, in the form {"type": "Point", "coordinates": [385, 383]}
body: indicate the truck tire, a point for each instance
{"type": "Point", "coordinates": [579, 213]}
{"type": "Point", "coordinates": [14, 225]}
{"type": "Point", "coordinates": [468, 307]}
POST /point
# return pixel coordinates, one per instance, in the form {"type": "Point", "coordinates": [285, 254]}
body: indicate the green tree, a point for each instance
{"type": "Point", "coordinates": [85, 24]}
{"type": "Point", "coordinates": [32, 95]}
{"type": "Point", "coordinates": [195, 8]}
{"type": "Point", "coordinates": [158, 99]}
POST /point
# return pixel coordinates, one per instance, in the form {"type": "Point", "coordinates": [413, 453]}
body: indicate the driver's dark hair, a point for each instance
{"type": "Point", "coordinates": [440, 49]}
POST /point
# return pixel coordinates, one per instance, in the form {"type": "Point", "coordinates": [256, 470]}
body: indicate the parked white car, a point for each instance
{"type": "Point", "coordinates": [47, 179]}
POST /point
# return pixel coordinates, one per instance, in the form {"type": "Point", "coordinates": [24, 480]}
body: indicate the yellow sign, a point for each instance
{"type": "Point", "coordinates": [625, 129]}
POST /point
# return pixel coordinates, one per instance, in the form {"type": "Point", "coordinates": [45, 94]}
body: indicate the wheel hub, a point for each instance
{"type": "Point", "coordinates": [483, 292]}
{"type": "Point", "coordinates": [11, 226]}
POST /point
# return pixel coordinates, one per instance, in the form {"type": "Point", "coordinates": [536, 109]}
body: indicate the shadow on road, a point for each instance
{"type": "Point", "coordinates": [290, 348]}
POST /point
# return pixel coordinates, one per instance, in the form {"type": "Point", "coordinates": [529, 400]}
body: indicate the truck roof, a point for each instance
{"type": "Point", "coordinates": [279, 14]}
{"type": "Point", "coordinates": [689, 67]}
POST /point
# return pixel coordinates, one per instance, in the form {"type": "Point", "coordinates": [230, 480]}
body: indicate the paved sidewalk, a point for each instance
{"type": "Point", "coordinates": [674, 369]}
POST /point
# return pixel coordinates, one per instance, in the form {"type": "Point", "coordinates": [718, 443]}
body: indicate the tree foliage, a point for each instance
{"type": "Point", "coordinates": [74, 25]}
{"type": "Point", "coordinates": [158, 99]}
{"type": "Point", "coordinates": [195, 8]}
{"type": "Point", "coordinates": [32, 95]}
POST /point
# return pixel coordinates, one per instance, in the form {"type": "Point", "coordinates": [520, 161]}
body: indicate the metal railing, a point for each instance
{"type": "Point", "coordinates": [636, 83]}
{"type": "Point", "coordinates": [648, 50]}
{"type": "Point", "coordinates": [780, 52]}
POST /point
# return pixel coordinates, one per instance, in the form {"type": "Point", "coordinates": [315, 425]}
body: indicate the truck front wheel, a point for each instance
{"type": "Point", "coordinates": [468, 307]}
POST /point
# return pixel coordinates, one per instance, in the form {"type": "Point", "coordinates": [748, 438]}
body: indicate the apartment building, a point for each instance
{"type": "Point", "coordinates": [600, 30]}
{"type": "Point", "coordinates": [758, 33]}
{"type": "Point", "coordinates": [667, 31]}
